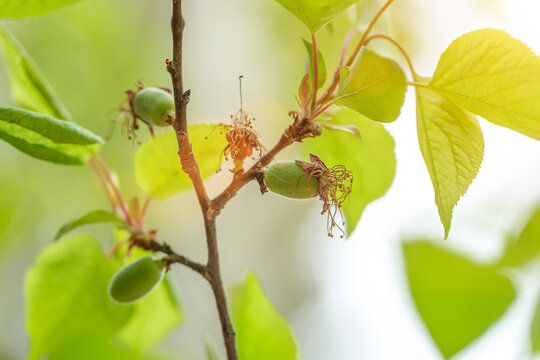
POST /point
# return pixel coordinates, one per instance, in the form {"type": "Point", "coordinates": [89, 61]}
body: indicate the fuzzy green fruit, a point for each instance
{"type": "Point", "coordinates": [136, 279]}
{"type": "Point", "coordinates": [287, 179]}
{"type": "Point", "coordinates": [153, 105]}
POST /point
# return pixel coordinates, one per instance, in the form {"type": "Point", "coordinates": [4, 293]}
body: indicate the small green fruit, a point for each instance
{"type": "Point", "coordinates": [136, 279]}
{"type": "Point", "coordinates": [287, 179]}
{"type": "Point", "coordinates": [153, 105]}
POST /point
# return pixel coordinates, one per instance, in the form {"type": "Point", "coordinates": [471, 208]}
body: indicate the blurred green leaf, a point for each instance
{"type": "Point", "coordinates": [58, 131]}
{"type": "Point", "coordinates": [310, 64]}
{"type": "Point", "coordinates": [316, 14]}
{"type": "Point", "coordinates": [371, 160]}
{"type": "Point", "coordinates": [157, 165]}
{"type": "Point", "coordinates": [457, 298]}
{"type": "Point", "coordinates": [47, 138]}
{"type": "Point", "coordinates": [262, 334]}
{"type": "Point", "coordinates": [535, 330]}
{"type": "Point", "coordinates": [211, 352]}
{"type": "Point", "coordinates": [28, 86]}
{"type": "Point", "coordinates": [526, 247]}
{"type": "Point", "coordinates": [93, 347]}
{"type": "Point", "coordinates": [154, 316]}
{"type": "Point", "coordinates": [93, 217]}
{"type": "Point", "coordinates": [27, 8]}
{"type": "Point", "coordinates": [493, 75]}
{"type": "Point", "coordinates": [374, 86]}
{"type": "Point", "coordinates": [66, 295]}
{"type": "Point", "coordinates": [452, 145]}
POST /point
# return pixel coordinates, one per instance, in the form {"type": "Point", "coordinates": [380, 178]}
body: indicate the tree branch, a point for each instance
{"type": "Point", "coordinates": [189, 164]}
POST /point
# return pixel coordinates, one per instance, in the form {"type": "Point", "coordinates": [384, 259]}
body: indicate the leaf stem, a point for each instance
{"type": "Point", "coordinates": [400, 48]}
{"type": "Point", "coordinates": [417, 84]}
{"type": "Point", "coordinates": [335, 81]}
{"type": "Point", "coordinates": [369, 27]}
{"type": "Point", "coordinates": [117, 194]}
{"type": "Point", "coordinates": [101, 181]}
{"type": "Point", "coordinates": [315, 70]}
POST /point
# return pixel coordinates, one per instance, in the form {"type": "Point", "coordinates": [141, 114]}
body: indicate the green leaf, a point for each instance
{"type": "Point", "coordinates": [493, 75]}
{"type": "Point", "coordinates": [457, 298]}
{"type": "Point", "coordinates": [371, 160]}
{"type": "Point", "coordinates": [535, 330]}
{"type": "Point", "coordinates": [47, 138]}
{"type": "Point", "coordinates": [157, 165]}
{"type": "Point", "coordinates": [374, 86]}
{"type": "Point", "coordinates": [316, 14]}
{"type": "Point", "coordinates": [155, 316]}
{"type": "Point", "coordinates": [66, 295]}
{"type": "Point", "coordinates": [93, 217]}
{"type": "Point", "coordinates": [526, 247]}
{"type": "Point", "coordinates": [452, 145]}
{"type": "Point", "coordinates": [211, 352]}
{"type": "Point", "coordinates": [86, 347]}
{"type": "Point", "coordinates": [262, 334]}
{"type": "Point", "coordinates": [27, 8]}
{"type": "Point", "coordinates": [310, 64]}
{"type": "Point", "coordinates": [28, 86]}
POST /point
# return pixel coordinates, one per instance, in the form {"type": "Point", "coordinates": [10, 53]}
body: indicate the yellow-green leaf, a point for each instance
{"type": "Point", "coordinates": [28, 86]}
{"type": "Point", "coordinates": [66, 296]}
{"type": "Point", "coordinates": [493, 75]}
{"type": "Point", "coordinates": [157, 165]}
{"type": "Point", "coordinates": [26, 8]}
{"type": "Point", "coordinates": [452, 145]}
{"type": "Point", "coordinates": [316, 13]}
{"type": "Point", "coordinates": [262, 334]}
{"type": "Point", "coordinates": [524, 248]}
{"type": "Point", "coordinates": [371, 160]}
{"type": "Point", "coordinates": [154, 316]}
{"type": "Point", "coordinates": [457, 298]}
{"type": "Point", "coordinates": [374, 86]}
{"type": "Point", "coordinates": [535, 330]}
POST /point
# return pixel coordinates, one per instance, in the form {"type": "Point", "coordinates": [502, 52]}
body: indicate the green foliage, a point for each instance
{"type": "Point", "coordinates": [153, 105]}
{"type": "Point", "coordinates": [526, 247]}
{"type": "Point", "coordinates": [371, 160]}
{"type": "Point", "coordinates": [374, 86]}
{"type": "Point", "coordinates": [310, 64]}
{"type": "Point", "coordinates": [262, 334]}
{"type": "Point", "coordinates": [153, 317]}
{"type": "Point", "coordinates": [493, 75]}
{"type": "Point", "coordinates": [66, 292]}
{"type": "Point", "coordinates": [47, 138]}
{"type": "Point", "coordinates": [68, 306]}
{"type": "Point", "coordinates": [157, 166]}
{"type": "Point", "coordinates": [287, 178]}
{"type": "Point", "coordinates": [28, 86]}
{"type": "Point", "coordinates": [27, 8]}
{"type": "Point", "coordinates": [316, 14]}
{"type": "Point", "coordinates": [457, 298]}
{"type": "Point", "coordinates": [93, 217]}
{"type": "Point", "coordinates": [136, 279]}
{"type": "Point", "coordinates": [452, 145]}
{"type": "Point", "coordinates": [535, 330]}
{"type": "Point", "coordinates": [86, 347]}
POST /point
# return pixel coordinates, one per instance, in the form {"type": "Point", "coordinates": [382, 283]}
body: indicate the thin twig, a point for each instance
{"type": "Point", "coordinates": [189, 165]}
{"type": "Point", "coordinates": [398, 46]}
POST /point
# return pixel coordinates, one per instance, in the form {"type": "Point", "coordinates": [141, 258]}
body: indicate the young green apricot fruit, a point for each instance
{"type": "Point", "coordinates": [136, 279]}
{"type": "Point", "coordinates": [153, 105]}
{"type": "Point", "coordinates": [288, 179]}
